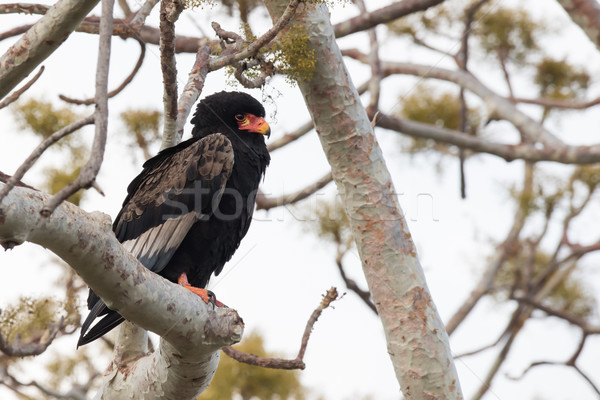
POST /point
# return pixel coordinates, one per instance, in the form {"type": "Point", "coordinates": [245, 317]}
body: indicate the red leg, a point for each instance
{"type": "Point", "coordinates": [206, 295]}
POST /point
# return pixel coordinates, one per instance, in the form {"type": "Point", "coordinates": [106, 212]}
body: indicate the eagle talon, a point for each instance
{"type": "Point", "coordinates": [212, 299]}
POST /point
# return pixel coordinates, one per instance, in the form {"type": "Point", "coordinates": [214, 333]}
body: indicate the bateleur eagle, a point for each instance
{"type": "Point", "coordinates": [187, 211]}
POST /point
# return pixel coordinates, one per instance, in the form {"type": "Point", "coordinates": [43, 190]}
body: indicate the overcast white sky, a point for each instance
{"type": "Point", "coordinates": [277, 276]}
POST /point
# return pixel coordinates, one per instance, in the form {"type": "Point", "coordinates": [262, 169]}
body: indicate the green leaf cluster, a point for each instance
{"type": "Point", "coordinates": [143, 126]}
{"type": "Point", "coordinates": [293, 56]}
{"type": "Point", "coordinates": [560, 80]}
{"type": "Point", "coordinates": [236, 380]}
{"type": "Point", "coordinates": [511, 34]}
{"type": "Point", "coordinates": [439, 108]}
{"type": "Point", "coordinates": [28, 317]}
{"type": "Point", "coordinates": [43, 118]}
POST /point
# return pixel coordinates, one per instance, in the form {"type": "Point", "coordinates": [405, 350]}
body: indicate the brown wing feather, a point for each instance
{"type": "Point", "coordinates": [172, 191]}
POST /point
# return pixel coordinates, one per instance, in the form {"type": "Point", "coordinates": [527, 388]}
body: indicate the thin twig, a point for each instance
{"type": "Point", "coordinates": [122, 86]}
{"type": "Point", "coordinates": [255, 46]}
{"type": "Point", "coordinates": [279, 363]}
{"type": "Point", "coordinates": [90, 170]}
{"type": "Point", "coordinates": [583, 324]}
{"type": "Point", "coordinates": [351, 284]}
{"type": "Point", "coordinates": [140, 17]}
{"type": "Point", "coordinates": [374, 62]}
{"type": "Point", "coordinates": [266, 203]}
{"type": "Point", "coordinates": [291, 136]}
{"type": "Point", "coordinates": [39, 150]}
{"type": "Point", "coordinates": [464, 59]}
{"type": "Point", "coordinates": [17, 93]}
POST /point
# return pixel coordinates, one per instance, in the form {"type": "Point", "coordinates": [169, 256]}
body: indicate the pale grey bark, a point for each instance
{"type": "Point", "coordinates": [417, 341]}
{"type": "Point", "coordinates": [40, 41]}
{"type": "Point", "coordinates": [191, 331]}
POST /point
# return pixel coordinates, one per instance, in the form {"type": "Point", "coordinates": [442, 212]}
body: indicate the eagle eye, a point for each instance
{"type": "Point", "coordinates": [239, 117]}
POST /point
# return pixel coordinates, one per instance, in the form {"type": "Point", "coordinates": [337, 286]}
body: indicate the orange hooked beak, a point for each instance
{"type": "Point", "coordinates": [252, 123]}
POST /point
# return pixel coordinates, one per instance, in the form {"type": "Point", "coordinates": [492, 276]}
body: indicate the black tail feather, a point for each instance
{"type": "Point", "coordinates": [105, 325]}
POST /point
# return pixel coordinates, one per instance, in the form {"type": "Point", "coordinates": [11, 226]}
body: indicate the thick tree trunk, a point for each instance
{"type": "Point", "coordinates": [191, 331]}
{"type": "Point", "coordinates": [417, 341]}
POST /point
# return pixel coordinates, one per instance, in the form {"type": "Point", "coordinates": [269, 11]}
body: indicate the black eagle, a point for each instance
{"type": "Point", "coordinates": [187, 211]}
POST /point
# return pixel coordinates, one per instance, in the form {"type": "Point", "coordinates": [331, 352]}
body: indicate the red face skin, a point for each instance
{"type": "Point", "coordinates": [252, 123]}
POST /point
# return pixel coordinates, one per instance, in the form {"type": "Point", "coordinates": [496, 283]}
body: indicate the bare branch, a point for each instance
{"type": "Point", "coordinates": [251, 359]}
{"type": "Point", "coordinates": [279, 363]}
{"type": "Point", "coordinates": [122, 86]}
{"type": "Point", "coordinates": [351, 284]}
{"type": "Point", "coordinates": [583, 324]}
{"type": "Point", "coordinates": [90, 170]}
{"type": "Point", "coordinates": [569, 363]}
{"type": "Point", "coordinates": [486, 282]}
{"type": "Point", "coordinates": [169, 12]}
{"type": "Point", "coordinates": [557, 103]}
{"type": "Point", "coordinates": [256, 45]}
{"type": "Point", "coordinates": [38, 151]}
{"type": "Point", "coordinates": [291, 136]}
{"type": "Point", "coordinates": [15, 31]}
{"type": "Point", "coordinates": [23, 8]}
{"type": "Point", "coordinates": [17, 93]}
{"type": "Point", "coordinates": [562, 153]}
{"type": "Point", "coordinates": [191, 92]}
{"type": "Point", "coordinates": [125, 7]}
{"type": "Point", "coordinates": [266, 203]}
{"type": "Point", "coordinates": [40, 41]}
{"type": "Point", "coordinates": [4, 178]}
{"type": "Point", "coordinates": [497, 105]}
{"type": "Point", "coordinates": [140, 17]}
{"type": "Point", "coordinates": [463, 58]}
{"type": "Point", "coordinates": [381, 16]}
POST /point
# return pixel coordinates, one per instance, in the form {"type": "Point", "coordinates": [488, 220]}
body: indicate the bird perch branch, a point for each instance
{"type": "Point", "coordinates": [191, 331]}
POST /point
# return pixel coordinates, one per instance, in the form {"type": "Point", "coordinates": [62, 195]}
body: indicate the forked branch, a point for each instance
{"type": "Point", "coordinates": [279, 363]}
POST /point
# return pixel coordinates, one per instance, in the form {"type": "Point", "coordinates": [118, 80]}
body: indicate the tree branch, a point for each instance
{"type": "Point", "coordinates": [364, 295]}
{"type": "Point", "coordinates": [381, 16]}
{"type": "Point", "coordinates": [191, 92]}
{"type": "Point", "coordinates": [122, 86]}
{"type": "Point", "coordinates": [89, 171]}
{"type": "Point", "coordinates": [562, 153]}
{"type": "Point", "coordinates": [37, 152]}
{"type": "Point", "coordinates": [279, 363]}
{"type": "Point", "coordinates": [169, 12]}
{"type": "Point", "coordinates": [266, 203]}
{"type": "Point", "coordinates": [40, 41]}
{"type": "Point", "coordinates": [17, 93]}
{"type": "Point", "coordinates": [191, 330]}
{"type": "Point", "coordinates": [256, 45]}
{"type": "Point", "coordinates": [496, 104]}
